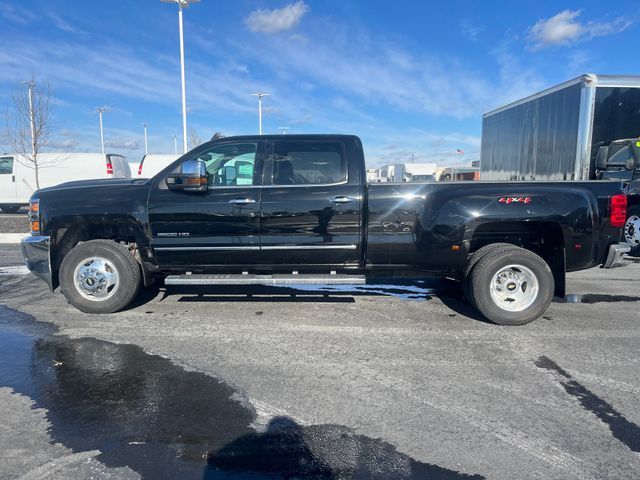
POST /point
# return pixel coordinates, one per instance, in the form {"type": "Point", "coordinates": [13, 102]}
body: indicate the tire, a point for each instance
{"type": "Point", "coordinates": [632, 230]}
{"type": "Point", "coordinates": [10, 208]}
{"type": "Point", "coordinates": [96, 261]}
{"type": "Point", "coordinates": [474, 259]}
{"type": "Point", "coordinates": [528, 274]}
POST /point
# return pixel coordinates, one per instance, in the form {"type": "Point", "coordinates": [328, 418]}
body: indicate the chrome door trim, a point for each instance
{"type": "Point", "coordinates": [187, 249]}
{"type": "Point", "coordinates": [309, 247]}
{"type": "Point", "coordinates": [242, 201]}
{"type": "Point", "coordinates": [268, 247]}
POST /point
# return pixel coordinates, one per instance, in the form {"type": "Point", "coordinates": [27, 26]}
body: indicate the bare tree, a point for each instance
{"type": "Point", "coordinates": [194, 139]}
{"type": "Point", "coordinates": [30, 125]}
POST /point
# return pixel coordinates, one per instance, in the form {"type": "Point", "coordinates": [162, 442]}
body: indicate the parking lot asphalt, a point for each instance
{"type": "Point", "coordinates": [389, 379]}
{"type": "Point", "coordinates": [14, 222]}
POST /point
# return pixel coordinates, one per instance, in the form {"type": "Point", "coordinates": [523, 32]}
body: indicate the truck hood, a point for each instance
{"type": "Point", "coordinates": [98, 183]}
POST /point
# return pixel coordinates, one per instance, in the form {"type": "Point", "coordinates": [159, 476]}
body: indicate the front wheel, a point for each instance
{"type": "Point", "coordinates": [632, 230]}
{"type": "Point", "coordinates": [511, 286]}
{"type": "Point", "coordinates": [100, 276]}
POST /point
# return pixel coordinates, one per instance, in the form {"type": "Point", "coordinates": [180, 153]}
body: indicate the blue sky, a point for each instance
{"type": "Point", "coordinates": [406, 76]}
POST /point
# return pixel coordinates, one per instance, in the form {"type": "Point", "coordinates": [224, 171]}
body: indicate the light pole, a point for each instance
{"type": "Point", "coordinates": [175, 144]}
{"type": "Point", "coordinates": [284, 129]}
{"type": "Point", "coordinates": [182, 4]}
{"type": "Point", "coordinates": [146, 146]}
{"type": "Point", "coordinates": [100, 111]}
{"type": "Point", "coordinates": [260, 95]}
{"type": "Point", "coordinates": [31, 84]}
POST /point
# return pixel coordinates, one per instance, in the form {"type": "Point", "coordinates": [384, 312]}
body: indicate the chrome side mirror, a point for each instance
{"type": "Point", "coordinates": [192, 177]}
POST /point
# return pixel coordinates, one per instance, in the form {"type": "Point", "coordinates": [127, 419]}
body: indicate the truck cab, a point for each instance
{"type": "Point", "coordinates": [620, 160]}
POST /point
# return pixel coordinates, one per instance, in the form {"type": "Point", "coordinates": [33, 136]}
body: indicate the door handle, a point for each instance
{"type": "Point", "coordinates": [242, 201]}
{"type": "Point", "coordinates": [341, 199]}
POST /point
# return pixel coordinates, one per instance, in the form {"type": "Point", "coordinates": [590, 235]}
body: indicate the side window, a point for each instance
{"type": "Point", "coordinates": [6, 165]}
{"type": "Point", "coordinates": [308, 163]}
{"type": "Point", "coordinates": [621, 156]}
{"type": "Point", "coordinates": [232, 164]}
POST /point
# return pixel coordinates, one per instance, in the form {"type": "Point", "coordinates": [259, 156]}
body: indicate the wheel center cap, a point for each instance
{"type": "Point", "coordinates": [511, 286]}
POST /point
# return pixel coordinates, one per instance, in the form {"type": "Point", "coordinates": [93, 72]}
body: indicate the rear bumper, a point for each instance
{"type": "Point", "coordinates": [614, 257]}
{"type": "Point", "coordinates": [37, 257]}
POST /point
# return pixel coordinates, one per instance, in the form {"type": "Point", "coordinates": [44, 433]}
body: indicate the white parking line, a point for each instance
{"type": "Point", "coordinates": [14, 270]}
{"type": "Point", "coordinates": [12, 237]}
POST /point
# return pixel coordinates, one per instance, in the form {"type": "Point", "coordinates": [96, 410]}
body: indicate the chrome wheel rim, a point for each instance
{"type": "Point", "coordinates": [632, 230]}
{"type": "Point", "coordinates": [514, 288]}
{"type": "Point", "coordinates": [96, 279]}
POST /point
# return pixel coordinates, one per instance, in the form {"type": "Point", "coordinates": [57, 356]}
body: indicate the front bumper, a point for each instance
{"type": "Point", "coordinates": [615, 256]}
{"type": "Point", "coordinates": [37, 257]}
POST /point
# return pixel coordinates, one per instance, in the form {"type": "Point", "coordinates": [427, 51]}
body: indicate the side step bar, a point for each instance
{"type": "Point", "coordinates": [277, 279]}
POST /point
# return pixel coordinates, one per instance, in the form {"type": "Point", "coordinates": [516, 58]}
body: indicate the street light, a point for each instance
{"type": "Point", "coordinates": [100, 112]}
{"type": "Point", "coordinates": [146, 147]}
{"type": "Point", "coordinates": [182, 4]}
{"type": "Point", "coordinates": [284, 129]}
{"type": "Point", "coordinates": [175, 144]}
{"type": "Point", "coordinates": [260, 95]}
{"type": "Point", "coordinates": [31, 84]}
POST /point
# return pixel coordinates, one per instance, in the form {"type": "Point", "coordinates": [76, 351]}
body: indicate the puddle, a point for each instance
{"type": "Point", "coordinates": [405, 292]}
{"type": "Point", "coordinates": [625, 431]}
{"type": "Point", "coordinates": [146, 413]}
{"type": "Point", "coordinates": [599, 298]}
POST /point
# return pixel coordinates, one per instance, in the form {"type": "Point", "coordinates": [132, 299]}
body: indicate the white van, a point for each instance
{"type": "Point", "coordinates": [18, 182]}
{"type": "Point", "coordinates": [154, 162]}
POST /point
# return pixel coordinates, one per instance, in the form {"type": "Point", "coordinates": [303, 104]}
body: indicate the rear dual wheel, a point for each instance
{"type": "Point", "coordinates": [632, 230]}
{"type": "Point", "coordinates": [509, 285]}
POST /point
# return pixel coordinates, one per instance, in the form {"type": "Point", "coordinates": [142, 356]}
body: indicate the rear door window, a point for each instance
{"type": "Point", "coordinates": [6, 165]}
{"type": "Point", "coordinates": [308, 163]}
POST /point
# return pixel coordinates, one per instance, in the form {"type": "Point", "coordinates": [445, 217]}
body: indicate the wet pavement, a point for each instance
{"type": "Point", "coordinates": [143, 412]}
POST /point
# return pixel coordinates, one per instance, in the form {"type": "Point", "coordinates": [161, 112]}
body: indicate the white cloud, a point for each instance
{"type": "Point", "coordinates": [16, 14]}
{"type": "Point", "coordinates": [277, 20]}
{"type": "Point", "coordinates": [470, 29]}
{"type": "Point", "coordinates": [122, 143]}
{"type": "Point", "coordinates": [565, 28]}
{"type": "Point", "coordinates": [62, 24]}
{"type": "Point", "coordinates": [66, 145]}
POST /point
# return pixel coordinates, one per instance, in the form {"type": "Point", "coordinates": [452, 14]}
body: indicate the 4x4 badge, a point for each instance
{"type": "Point", "coordinates": [509, 200]}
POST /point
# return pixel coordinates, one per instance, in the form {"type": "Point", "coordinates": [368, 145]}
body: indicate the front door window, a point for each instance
{"type": "Point", "coordinates": [231, 165]}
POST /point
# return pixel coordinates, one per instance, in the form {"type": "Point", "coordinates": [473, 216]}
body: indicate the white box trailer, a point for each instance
{"type": "Point", "coordinates": [414, 172]}
{"type": "Point", "coordinates": [153, 163]}
{"type": "Point", "coordinates": [18, 181]}
{"type": "Point", "coordinates": [385, 173]}
{"type": "Point", "coordinates": [555, 134]}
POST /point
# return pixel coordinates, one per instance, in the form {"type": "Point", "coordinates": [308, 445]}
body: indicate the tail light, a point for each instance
{"type": "Point", "coordinates": [34, 217]}
{"type": "Point", "coordinates": [618, 208]}
{"type": "Point", "coordinates": [109, 167]}
{"type": "Point", "coordinates": [140, 169]}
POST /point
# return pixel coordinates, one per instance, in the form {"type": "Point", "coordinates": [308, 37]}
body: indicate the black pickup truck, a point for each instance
{"type": "Point", "coordinates": [296, 209]}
